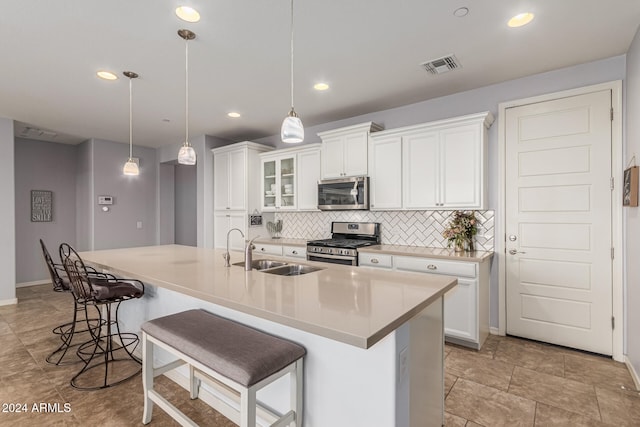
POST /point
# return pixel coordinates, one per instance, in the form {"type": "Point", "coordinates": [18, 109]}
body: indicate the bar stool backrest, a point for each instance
{"type": "Point", "coordinates": [77, 273]}
{"type": "Point", "coordinates": [59, 284]}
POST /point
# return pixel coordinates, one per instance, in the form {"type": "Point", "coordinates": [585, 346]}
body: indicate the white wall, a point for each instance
{"type": "Point", "coordinates": [474, 101]}
{"type": "Point", "coordinates": [43, 166]}
{"type": "Point", "coordinates": [7, 215]}
{"type": "Point", "coordinates": [633, 214]}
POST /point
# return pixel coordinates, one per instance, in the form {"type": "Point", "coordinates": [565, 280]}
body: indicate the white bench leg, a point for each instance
{"type": "Point", "coordinates": [297, 397]}
{"type": "Point", "coordinates": [248, 408]}
{"type": "Point", "coordinates": [147, 377]}
{"type": "Point", "coordinates": [194, 383]}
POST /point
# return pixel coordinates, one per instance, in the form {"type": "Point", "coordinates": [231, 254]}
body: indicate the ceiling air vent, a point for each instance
{"type": "Point", "coordinates": [442, 65]}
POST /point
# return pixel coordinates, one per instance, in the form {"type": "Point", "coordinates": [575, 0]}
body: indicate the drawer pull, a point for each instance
{"type": "Point", "coordinates": [294, 252]}
{"type": "Point", "coordinates": [374, 261]}
{"type": "Point", "coordinates": [262, 249]}
{"type": "Point", "coordinates": [432, 267]}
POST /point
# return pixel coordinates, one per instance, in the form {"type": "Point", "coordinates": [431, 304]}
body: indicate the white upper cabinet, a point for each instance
{"type": "Point", "coordinates": [234, 175]}
{"type": "Point", "coordinates": [344, 150]}
{"type": "Point", "coordinates": [289, 178]}
{"type": "Point", "coordinates": [437, 165]}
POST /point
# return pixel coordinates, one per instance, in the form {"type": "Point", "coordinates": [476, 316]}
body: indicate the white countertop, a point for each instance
{"type": "Point", "coordinates": [282, 241]}
{"type": "Point", "coordinates": [352, 305]}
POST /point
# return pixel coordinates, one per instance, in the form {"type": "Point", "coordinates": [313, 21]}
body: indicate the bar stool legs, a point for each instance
{"type": "Point", "coordinates": [71, 330]}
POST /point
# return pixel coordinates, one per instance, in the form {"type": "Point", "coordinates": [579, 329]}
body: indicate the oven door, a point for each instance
{"type": "Point", "coordinates": [344, 194]}
{"type": "Point", "coordinates": [334, 259]}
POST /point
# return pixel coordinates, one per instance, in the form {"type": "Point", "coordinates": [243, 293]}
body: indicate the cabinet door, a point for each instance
{"type": "Point", "coordinates": [386, 173]}
{"type": "Point", "coordinates": [237, 179]}
{"type": "Point", "coordinates": [266, 249]}
{"type": "Point", "coordinates": [460, 311]}
{"type": "Point", "coordinates": [461, 167]}
{"type": "Point", "coordinates": [332, 157]}
{"type": "Point", "coordinates": [421, 171]}
{"type": "Point", "coordinates": [221, 181]}
{"type": "Point", "coordinates": [355, 154]}
{"type": "Point", "coordinates": [308, 175]}
{"type": "Point", "coordinates": [225, 221]}
{"type": "Point", "coordinates": [286, 169]}
{"type": "Point", "coordinates": [269, 184]}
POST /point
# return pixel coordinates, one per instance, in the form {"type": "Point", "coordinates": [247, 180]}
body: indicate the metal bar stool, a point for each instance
{"type": "Point", "coordinates": [74, 329]}
{"type": "Point", "coordinates": [100, 352]}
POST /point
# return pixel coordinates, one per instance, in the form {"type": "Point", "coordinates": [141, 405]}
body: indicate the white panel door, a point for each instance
{"type": "Point", "coordinates": [461, 167]}
{"type": "Point", "coordinates": [332, 157]}
{"type": "Point", "coordinates": [386, 173]}
{"type": "Point", "coordinates": [221, 181]}
{"type": "Point", "coordinates": [355, 154]}
{"type": "Point", "coordinates": [558, 222]}
{"type": "Point", "coordinates": [308, 175]}
{"type": "Point", "coordinates": [238, 179]}
{"type": "Point", "coordinates": [421, 170]}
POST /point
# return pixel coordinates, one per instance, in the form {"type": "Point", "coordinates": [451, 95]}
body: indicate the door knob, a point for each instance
{"type": "Point", "coordinates": [513, 252]}
{"type": "Point", "coordinates": [513, 238]}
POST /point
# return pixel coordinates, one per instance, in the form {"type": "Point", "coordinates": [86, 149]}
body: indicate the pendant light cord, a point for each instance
{"type": "Point", "coordinates": [130, 118]}
{"type": "Point", "coordinates": [186, 92]}
{"type": "Point", "coordinates": [291, 54]}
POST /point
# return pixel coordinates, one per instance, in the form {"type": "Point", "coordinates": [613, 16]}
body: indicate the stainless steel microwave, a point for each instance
{"type": "Point", "coordinates": [343, 194]}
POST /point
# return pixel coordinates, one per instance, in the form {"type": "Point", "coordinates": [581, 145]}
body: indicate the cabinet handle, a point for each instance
{"type": "Point", "coordinates": [294, 252]}
{"type": "Point", "coordinates": [262, 249]}
{"type": "Point", "coordinates": [374, 261]}
{"type": "Point", "coordinates": [432, 267]}
{"type": "Point", "coordinates": [373, 206]}
{"type": "Point", "coordinates": [227, 207]}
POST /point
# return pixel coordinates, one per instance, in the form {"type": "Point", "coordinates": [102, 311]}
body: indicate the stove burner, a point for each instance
{"type": "Point", "coordinates": [342, 247]}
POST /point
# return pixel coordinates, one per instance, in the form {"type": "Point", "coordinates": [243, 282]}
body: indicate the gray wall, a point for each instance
{"type": "Point", "coordinates": [186, 201]}
{"type": "Point", "coordinates": [43, 166]}
{"type": "Point", "coordinates": [166, 204]}
{"type": "Point", "coordinates": [474, 101]}
{"type": "Point", "coordinates": [7, 215]}
{"type": "Point", "coordinates": [134, 196]}
{"type": "Point", "coordinates": [633, 214]}
{"type": "Point", "coordinates": [84, 196]}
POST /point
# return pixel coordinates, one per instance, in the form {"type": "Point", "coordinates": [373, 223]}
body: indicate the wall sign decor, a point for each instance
{"type": "Point", "coordinates": [41, 206]}
{"type": "Point", "coordinates": [630, 188]}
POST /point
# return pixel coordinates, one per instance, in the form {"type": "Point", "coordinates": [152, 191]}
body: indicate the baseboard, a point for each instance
{"type": "Point", "coordinates": [34, 283]}
{"type": "Point", "coordinates": [495, 331]}
{"type": "Point", "coordinates": [632, 371]}
{"type": "Point", "coordinates": [8, 301]}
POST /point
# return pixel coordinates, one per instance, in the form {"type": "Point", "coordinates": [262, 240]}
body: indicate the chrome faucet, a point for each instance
{"type": "Point", "coordinates": [226, 255]}
{"type": "Point", "coordinates": [248, 254]}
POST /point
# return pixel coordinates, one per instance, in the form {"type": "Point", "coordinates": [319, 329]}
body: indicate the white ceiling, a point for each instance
{"type": "Point", "coordinates": [369, 51]}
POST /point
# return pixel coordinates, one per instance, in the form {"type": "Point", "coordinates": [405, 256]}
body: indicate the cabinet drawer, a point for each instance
{"type": "Point", "coordinates": [375, 260]}
{"type": "Point", "coordinates": [268, 249]}
{"type": "Point", "coordinates": [294, 251]}
{"type": "Point", "coordinates": [437, 266]}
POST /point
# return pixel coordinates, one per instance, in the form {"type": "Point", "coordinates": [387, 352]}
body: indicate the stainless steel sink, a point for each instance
{"type": "Point", "coordinates": [262, 264]}
{"type": "Point", "coordinates": [292, 270]}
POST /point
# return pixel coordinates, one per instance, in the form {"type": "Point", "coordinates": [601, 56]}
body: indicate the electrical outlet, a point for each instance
{"type": "Point", "coordinates": [139, 225]}
{"type": "Point", "coordinates": [403, 365]}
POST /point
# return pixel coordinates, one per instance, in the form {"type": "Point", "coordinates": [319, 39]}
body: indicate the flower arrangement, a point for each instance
{"type": "Point", "coordinates": [461, 229]}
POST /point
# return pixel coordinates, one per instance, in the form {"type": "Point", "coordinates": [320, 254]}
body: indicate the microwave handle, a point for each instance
{"type": "Point", "coordinates": [354, 192]}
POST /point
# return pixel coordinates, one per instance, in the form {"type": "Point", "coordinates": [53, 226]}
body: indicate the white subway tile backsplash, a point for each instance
{"type": "Point", "coordinates": [412, 228]}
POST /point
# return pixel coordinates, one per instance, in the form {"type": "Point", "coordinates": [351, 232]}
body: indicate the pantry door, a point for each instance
{"type": "Point", "coordinates": [558, 201]}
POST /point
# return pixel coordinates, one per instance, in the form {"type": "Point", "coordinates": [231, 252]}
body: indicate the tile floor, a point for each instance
{"type": "Point", "coordinates": [510, 382]}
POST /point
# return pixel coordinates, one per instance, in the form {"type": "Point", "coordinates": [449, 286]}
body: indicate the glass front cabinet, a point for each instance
{"type": "Point", "coordinates": [279, 183]}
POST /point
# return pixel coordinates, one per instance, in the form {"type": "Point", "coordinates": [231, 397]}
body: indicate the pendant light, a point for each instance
{"type": "Point", "coordinates": [131, 167]}
{"type": "Point", "coordinates": [292, 130]}
{"type": "Point", "coordinates": [186, 155]}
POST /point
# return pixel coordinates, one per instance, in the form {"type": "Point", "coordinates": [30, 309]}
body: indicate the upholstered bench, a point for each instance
{"type": "Point", "coordinates": [224, 354]}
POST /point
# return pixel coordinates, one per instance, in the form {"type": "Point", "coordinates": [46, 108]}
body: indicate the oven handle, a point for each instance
{"type": "Point", "coordinates": [319, 255]}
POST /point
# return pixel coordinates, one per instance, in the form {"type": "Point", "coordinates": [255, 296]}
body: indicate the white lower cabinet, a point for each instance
{"type": "Point", "coordinates": [225, 221]}
{"type": "Point", "coordinates": [466, 306]}
{"type": "Point", "coordinates": [298, 252]}
{"type": "Point", "coordinates": [266, 249]}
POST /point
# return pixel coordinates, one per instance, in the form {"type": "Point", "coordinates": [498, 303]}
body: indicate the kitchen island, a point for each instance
{"type": "Point", "coordinates": [374, 339]}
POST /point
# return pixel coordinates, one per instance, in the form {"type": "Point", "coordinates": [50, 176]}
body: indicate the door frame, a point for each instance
{"type": "Point", "coordinates": [616, 208]}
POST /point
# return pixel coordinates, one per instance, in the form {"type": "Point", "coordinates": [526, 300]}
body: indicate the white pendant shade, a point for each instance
{"type": "Point", "coordinates": [292, 130]}
{"type": "Point", "coordinates": [130, 168]}
{"type": "Point", "coordinates": [187, 155]}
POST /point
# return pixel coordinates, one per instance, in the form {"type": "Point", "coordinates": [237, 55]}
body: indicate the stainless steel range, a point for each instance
{"type": "Point", "coordinates": [346, 238]}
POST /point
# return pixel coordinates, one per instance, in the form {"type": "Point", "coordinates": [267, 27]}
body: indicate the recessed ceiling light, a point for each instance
{"type": "Point", "coordinates": [520, 19]}
{"type": "Point", "coordinates": [461, 11]}
{"type": "Point", "coordinates": [188, 14]}
{"type": "Point", "coordinates": [106, 75]}
{"type": "Point", "coordinates": [233, 114]}
{"type": "Point", "coordinates": [321, 86]}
